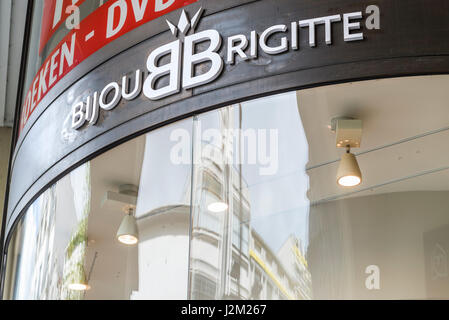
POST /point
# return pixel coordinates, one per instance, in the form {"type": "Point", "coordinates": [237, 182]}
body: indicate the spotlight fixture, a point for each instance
{"type": "Point", "coordinates": [80, 284]}
{"type": "Point", "coordinates": [217, 206]}
{"type": "Point", "coordinates": [349, 135]}
{"type": "Point", "coordinates": [127, 232]}
{"type": "Point", "coordinates": [349, 174]}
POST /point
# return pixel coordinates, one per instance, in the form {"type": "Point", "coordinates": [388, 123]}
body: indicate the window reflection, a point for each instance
{"type": "Point", "coordinates": [242, 203]}
{"type": "Point", "coordinates": [66, 247]}
{"type": "Point", "coordinates": [241, 254]}
{"type": "Point", "coordinates": [48, 251]}
{"type": "Point", "coordinates": [156, 267]}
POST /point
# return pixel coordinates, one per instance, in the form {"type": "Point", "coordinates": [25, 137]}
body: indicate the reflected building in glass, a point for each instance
{"type": "Point", "coordinates": [229, 259]}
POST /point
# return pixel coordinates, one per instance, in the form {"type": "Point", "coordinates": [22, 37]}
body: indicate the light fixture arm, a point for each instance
{"type": "Point", "coordinates": [92, 266]}
{"type": "Point", "coordinates": [348, 132]}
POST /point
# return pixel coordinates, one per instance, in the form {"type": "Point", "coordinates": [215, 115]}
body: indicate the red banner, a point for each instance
{"type": "Point", "coordinates": [55, 13]}
{"type": "Point", "coordinates": [107, 23]}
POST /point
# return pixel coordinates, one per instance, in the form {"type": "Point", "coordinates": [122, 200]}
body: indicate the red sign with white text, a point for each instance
{"type": "Point", "coordinates": [107, 23]}
{"type": "Point", "coordinates": [55, 13]}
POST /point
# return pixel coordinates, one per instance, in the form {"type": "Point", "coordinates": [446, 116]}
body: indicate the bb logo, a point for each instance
{"type": "Point", "coordinates": [183, 54]}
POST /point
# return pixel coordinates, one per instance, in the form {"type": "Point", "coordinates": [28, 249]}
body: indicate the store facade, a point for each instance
{"type": "Point", "coordinates": [197, 150]}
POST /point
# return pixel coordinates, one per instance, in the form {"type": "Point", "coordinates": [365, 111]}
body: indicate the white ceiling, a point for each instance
{"type": "Point", "coordinates": [405, 134]}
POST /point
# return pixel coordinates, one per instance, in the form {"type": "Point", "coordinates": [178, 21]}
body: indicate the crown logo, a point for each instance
{"type": "Point", "coordinates": [184, 24]}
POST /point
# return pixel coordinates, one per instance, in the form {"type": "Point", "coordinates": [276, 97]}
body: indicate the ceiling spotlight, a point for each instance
{"type": "Point", "coordinates": [80, 284]}
{"type": "Point", "coordinates": [217, 207]}
{"type": "Point", "coordinates": [348, 135]}
{"type": "Point", "coordinates": [349, 174]}
{"type": "Point", "coordinates": [127, 232]}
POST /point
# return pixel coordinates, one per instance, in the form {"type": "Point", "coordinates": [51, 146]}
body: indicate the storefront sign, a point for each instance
{"type": "Point", "coordinates": [109, 22]}
{"type": "Point", "coordinates": [184, 57]}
